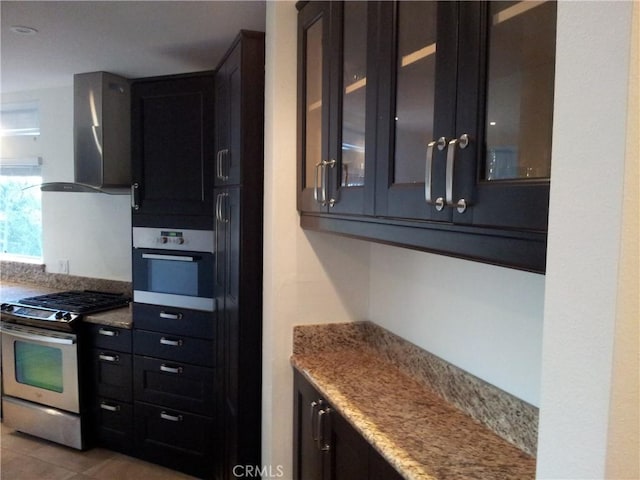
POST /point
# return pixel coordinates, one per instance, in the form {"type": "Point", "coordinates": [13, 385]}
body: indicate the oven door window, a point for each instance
{"type": "Point", "coordinates": [39, 366]}
{"type": "Point", "coordinates": [176, 277]}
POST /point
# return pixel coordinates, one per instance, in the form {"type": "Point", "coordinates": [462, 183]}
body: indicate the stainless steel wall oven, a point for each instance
{"type": "Point", "coordinates": [173, 267]}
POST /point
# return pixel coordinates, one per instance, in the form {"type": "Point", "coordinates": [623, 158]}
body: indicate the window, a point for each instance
{"type": "Point", "coordinates": [20, 176]}
{"type": "Point", "coordinates": [20, 207]}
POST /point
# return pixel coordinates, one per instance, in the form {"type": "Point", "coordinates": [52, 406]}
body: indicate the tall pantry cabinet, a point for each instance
{"type": "Point", "coordinates": [238, 202]}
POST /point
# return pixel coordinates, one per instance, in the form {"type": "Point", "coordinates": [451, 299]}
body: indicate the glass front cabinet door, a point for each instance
{"type": "Point", "coordinates": [335, 86]}
{"type": "Point", "coordinates": [429, 115]}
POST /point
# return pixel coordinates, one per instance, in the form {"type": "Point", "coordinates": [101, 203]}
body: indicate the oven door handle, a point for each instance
{"type": "Point", "coordinates": [38, 338]}
{"type": "Point", "coordinates": [177, 258]}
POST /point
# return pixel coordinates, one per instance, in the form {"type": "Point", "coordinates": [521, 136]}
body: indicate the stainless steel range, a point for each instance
{"type": "Point", "coordinates": [41, 371]}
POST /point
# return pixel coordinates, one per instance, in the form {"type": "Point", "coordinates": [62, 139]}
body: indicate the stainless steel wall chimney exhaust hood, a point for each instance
{"type": "Point", "coordinates": [101, 135]}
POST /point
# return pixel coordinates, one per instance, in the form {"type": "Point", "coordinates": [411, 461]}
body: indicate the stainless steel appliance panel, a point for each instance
{"type": "Point", "coordinates": [41, 366]}
{"type": "Point", "coordinates": [44, 422]}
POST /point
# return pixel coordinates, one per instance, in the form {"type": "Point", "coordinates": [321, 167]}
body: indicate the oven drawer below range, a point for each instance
{"type": "Point", "coordinates": [179, 321]}
{"type": "Point", "coordinates": [175, 384]}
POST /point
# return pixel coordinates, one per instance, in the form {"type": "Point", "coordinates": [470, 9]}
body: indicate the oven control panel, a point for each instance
{"type": "Point", "coordinates": [173, 239]}
{"type": "Point", "coordinates": [36, 316]}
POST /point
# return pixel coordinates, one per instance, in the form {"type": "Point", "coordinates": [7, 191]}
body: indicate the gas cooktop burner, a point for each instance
{"type": "Point", "coordinates": [58, 311]}
{"type": "Point", "coordinates": [77, 301]}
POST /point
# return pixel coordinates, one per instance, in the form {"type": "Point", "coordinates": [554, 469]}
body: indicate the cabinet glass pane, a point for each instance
{"type": "Point", "coordinates": [520, 90]}
{"type": "Point", "coordinates": [313, 105]}
{"type": "Point", "coordinates": [415, 86]}
{"type": "Point", "coordinates": [354, 84]}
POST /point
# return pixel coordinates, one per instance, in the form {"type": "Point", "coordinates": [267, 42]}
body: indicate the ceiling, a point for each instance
{"type": "Point", "coordinates": [132, 39]}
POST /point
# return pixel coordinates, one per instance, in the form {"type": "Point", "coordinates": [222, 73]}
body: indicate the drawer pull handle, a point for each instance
{"type": "Point", "coordinates": [108, 333]}
{"type": "Point", "coordinates": [171, 418]}
{"type": "Point", "coordinates": [109, 408]}
{"type": "Point", "coordinates": [109, 358]}
{"type": "Point", "coordinates": [171, 316]}
{"type": "Point", "coordinates": [168, 369]}
{"type": "Point", "coordinates": [171, 342]}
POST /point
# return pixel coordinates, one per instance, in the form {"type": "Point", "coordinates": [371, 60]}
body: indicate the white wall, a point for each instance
{"type": "Point", "coordinates": [584, 247]}
{"type": "Point", "coordinates": [484, 319]}
{"type": "Point", "coordinates": [92, 231]}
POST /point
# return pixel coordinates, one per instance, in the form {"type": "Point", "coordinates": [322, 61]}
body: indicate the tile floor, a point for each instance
{"type": "Point", "coordinates": [23, 457]}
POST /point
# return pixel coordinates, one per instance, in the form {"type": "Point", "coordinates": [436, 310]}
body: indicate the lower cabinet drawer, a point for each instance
{"type": "Point", "coordinates": [113, 424]}
{"type": "Point", "coordinates": [177, 385]}
{"type": "Point", "coordinates": [112, 374]}
{"type": "Point", "coordinates": [176, 439]}
{"type": "Point", "coordinates": [174, 347]}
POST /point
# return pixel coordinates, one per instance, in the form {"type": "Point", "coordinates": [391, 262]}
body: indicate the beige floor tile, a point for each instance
{"type": "Point", "coordinates": [17, 466]}
{"type": "Point", "coordinates": [20, 442]}
{"type": "Point", "coordinates": [122, 467]}
{"type": "Point", "coordinates": [72, 459]}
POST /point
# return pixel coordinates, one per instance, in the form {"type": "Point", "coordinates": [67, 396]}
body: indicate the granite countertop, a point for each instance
{"type": "Point", "coordinates": [12, 291]}
{"type": "Point", "coordinates": [411, 426]}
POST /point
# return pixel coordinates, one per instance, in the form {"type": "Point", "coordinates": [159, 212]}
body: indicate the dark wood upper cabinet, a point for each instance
{"type": "Point", "coordinates": [428, 125]}
{"type": "Point", "coordinates": [173, 145]}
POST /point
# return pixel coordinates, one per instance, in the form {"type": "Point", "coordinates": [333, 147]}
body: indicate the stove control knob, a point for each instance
{"type": "Point", "coordinates": [59, 315]}
{"type": "Point", "coordinates": [67, 316]}
{"type": "Point", "coordinates": [164, 239]}
{"type": "Point", "coordinates": [6, 307]}
{"type": "Point", "coordinates": [180, 240]}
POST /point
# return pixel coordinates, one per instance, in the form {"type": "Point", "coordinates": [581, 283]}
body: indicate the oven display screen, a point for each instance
{"type": "Point", "coordinates": [39, 366]}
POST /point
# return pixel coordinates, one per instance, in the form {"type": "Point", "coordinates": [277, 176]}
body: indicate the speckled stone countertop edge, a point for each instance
{"type": "Point", "coordinates": [416, 431]}
{"type": "Point", "coordinates": [511, 418]}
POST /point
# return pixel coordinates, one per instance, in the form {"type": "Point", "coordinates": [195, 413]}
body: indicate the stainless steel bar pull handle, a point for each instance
{"type": "Point", "coordinates": [322, 446]}
{"type": "Point", "coordinates": [331, 164]}
{"type": "Point", "coordinates": [171, 418]}
{"type": "Point", "coordinates": [108, 333]}
{"type": "Point", "coordinates": [108, 358]}
{"type": "Point", "coordinates": [219, 164]}
{"type": "Point", "coordinates": [441, 143]}
{"type": "Point", "coordinates": [319, 166]}
{"type": "Point", "coordinates": [322, 166]}
{"type": "Point", "coordinates": [462, 143]}
{"type": "Point", "coordinates": [134, 196]}
{"type": "Point", "coordinates": [171, 316]}
{"type": "Point", "coordinates": [109, 408]}
{"type": "Point", "coordinates": [314, 424]}
{"type": "Point", "coordinates": [169, 369]}
{"type": "Point", "coordinates": [171, 342]}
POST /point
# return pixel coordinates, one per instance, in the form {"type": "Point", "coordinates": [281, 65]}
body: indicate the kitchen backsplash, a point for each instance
{"type": "Point", "coordinates": [35, 274]}
{"type": "Point", "coordinates": [511, 418]}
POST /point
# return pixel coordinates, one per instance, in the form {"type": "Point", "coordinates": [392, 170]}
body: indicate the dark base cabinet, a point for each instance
{"type": "Point", "coordinates": [114, 424]}
{"type": "Point", "coordinates": [326, 446]}
{"type": "Point", "coordinates": [112, 406]}
{"type": "Point", "coordinates": [176, 439]}
{"type": "Point", "coordinates": [176, 390]}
